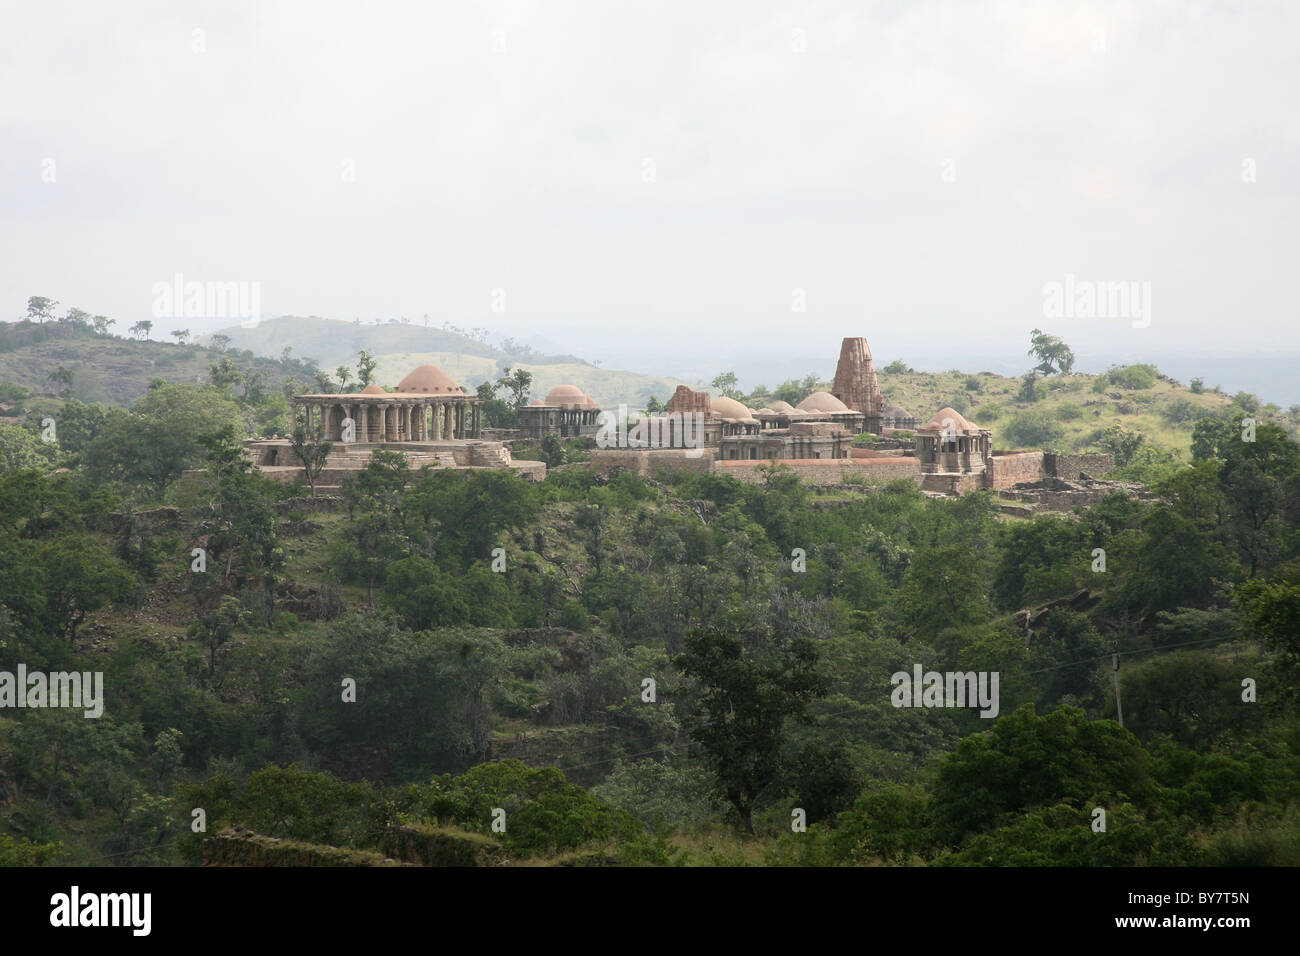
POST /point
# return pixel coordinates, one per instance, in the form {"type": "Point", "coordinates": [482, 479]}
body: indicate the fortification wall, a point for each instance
{"type": "Point", "coordinates": [828, 471]}
{"type": "Point", "coordinates": [1096, 464]}
{"type": "Point", "coordinates": [645, 461]}
{"type": "Point", "coordinates": [1014, 467]}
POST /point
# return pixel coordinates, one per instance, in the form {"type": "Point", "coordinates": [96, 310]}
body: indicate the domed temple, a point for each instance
{"type": "Point", "coordinates": [566, 411]}
{"type": "Point", "coordinates": [428, 417]}
{"type": "Point", "coordinates": [426, 406]}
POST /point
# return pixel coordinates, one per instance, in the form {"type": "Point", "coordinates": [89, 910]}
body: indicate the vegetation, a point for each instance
{"type": "Point", "coordinates": [445, 664]}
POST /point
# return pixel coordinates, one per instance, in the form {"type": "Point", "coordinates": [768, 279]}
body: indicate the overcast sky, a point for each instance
{"type": "Point", "coordinates": [660, 178]}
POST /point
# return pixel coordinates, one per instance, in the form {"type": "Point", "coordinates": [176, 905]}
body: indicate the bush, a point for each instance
{"type": "Point", "coordinates": [1197, 386]}
{"type": "Point", "coordinates": [897, 367]}
{"type": "Point", "coordinates": [973, 384]}
{"type": "Point", "coordinates": [1248, 402]}
{"type": "Point", "coordinates": [1033, 430]}
{"type": "Point", "coordinates": [1031, 390]}
{"type": "Point", "coordinates": [1132, 377]}
{"type": "Point", "coordinates": [1068, 411]}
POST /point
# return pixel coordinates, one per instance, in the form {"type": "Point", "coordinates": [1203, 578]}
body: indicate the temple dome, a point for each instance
{"type": "Point", "coordinates": [566, 396]}
{"type": "Point", "coordinates": [822, 402]}
{"type": "Point", "coordinates": [940, 422]}
{"type": "Point", "coordinates": [429, 380]}
{"type": "Point", "coordinates": [896, 411]}
{"type": "Point", "coordinates": [373, 389]}
{"type": "Point", "coordinates": [537, 401]}
{"type": "Point", "coordinates": [730, 409]}
{"type": "Point", "coordinates": [779, 406]}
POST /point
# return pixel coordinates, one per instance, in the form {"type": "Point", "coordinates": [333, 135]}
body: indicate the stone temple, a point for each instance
{"type": "Point", "coordinates": [428, 417]}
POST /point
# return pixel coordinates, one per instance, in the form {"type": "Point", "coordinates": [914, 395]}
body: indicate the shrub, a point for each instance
{"type": "Point", "coordinates": [1133, 377]}
{"type": "Point", "coordinates": [973, 384]}
{"type": "Point", "coordinates": [1033, 430]}
{"type": "Point", "coordinates": [1031, 390]}
{"type": "Point", "coordinates": [1068, 412]}
{"type": "Point", "coordinates": [1198, 386]}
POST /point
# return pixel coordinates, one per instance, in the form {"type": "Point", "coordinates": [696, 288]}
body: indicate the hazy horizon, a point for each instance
{"type": "Point", "coordinates": [760, 184]}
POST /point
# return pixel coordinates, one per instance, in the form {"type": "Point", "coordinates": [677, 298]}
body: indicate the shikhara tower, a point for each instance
{"type": "Point", "coordinates": [856, 385]}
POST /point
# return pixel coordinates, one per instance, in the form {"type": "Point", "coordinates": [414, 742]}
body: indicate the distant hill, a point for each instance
{"type": "Point", "coordinates": [108, 369]}
{"type": "Point", "coordinates": [400, 348]}
{"type": "Point", "coordinates": [1073, 409]}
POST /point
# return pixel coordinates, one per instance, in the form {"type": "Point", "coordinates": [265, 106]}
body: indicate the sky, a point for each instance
{"type": "Point", "coordinates": [670, 186]}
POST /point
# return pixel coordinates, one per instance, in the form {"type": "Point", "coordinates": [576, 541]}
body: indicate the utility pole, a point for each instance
{"type": "Point", "coordinates": [1119, 710]}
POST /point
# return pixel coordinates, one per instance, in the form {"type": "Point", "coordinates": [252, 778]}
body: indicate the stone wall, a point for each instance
{"type": "Point", "coordinates": [239, 847]}
{"type": "Point", "coordinates": [1070, 466]}
{"type": "Point", "coordinates": [828, 471]}
{"type": "Point", "coordinates": [1012, 467]}
{"type": "Point", "coordinates": [645, 461]}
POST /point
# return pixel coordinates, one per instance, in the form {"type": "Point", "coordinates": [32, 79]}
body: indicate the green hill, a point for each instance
{"type": "Point", "coordinates": [112, 370]}
{"type": "Point", "coordinates": [399, 348]}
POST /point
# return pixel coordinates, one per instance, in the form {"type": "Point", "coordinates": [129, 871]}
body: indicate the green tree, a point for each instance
{"type": "Point", "coordinates": [728, 385]}
{"type": "Point", "coordinates": [40, 309]}
{"type": "Point", "coordinates": [142, 329]}
{"type": "Point", "coordinates": [739, 718]}
{"type": "Point", "coordinates": [312, 450]}
{"type": "Point", "coordinates": [101, 324]}
{"type": "Point", "coordinates": [1054, 356]}
{"type": "Point", "coordinates": [519, 383]}
{"type": "Point", "coordinates": [180, 335]}
{"type": "Point", "coordinates": [20, 449]}
{"type": "Point", "coordinates": [366, 368]}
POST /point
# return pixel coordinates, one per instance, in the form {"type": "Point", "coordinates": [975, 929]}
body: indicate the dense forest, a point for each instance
{"type": "Point", "coordinates": [685, 670]}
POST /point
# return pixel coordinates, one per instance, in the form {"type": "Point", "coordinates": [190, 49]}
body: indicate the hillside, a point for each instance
{"type": "Point", "coordinates": [111, 370]}
{"type": "Point", "coordinates": [1071, 412]}
{"type": "Point", "coordinates": [400, 348]}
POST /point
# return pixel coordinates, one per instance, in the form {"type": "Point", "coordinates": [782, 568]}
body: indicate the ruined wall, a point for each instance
{"type": "Point", "coordinates": [239, 847]}
{"type": "Point", "coordinates": [645, 461]}
{"type": "Point", "coordinates": [828, 471]}
{"type": "Point", "coordinates": [442, 846]}
{"type": "Point", "coordinates": [1069, 466]}
{"type": "Point", "coordinates": [1014, 467]}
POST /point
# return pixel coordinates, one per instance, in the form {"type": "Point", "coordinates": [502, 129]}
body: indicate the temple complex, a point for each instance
{"type": "Point", "coordinates": [566, 411]}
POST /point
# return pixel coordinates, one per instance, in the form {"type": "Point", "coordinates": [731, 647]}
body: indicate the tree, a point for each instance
{"type": "Point", "coordinates": [519, 384]}
{"type": "Point", "coordinates": [40, 309]}
{"type": "Point", "coordinates": [223, 374]}
{"type": "Point", "coordinates": [219, 342]}
{"type": "Point", "coordinates": [727, 384]}
{"type": "Point", "coordinates": [740, 716]}
{"type": "Point", "coordinates": [101, 324]}
{"type": "Point", "coordinates": [1054, 356]}
{"type": "Point", "coordinates": [77, 316]}
{"type": "Point", "coordinates": [366, 368]}
{"type": "Point", "coordinates": [344, 375]}
{"type": "Point", "coordinates": [63, 377]}
{"type": "Point", "coordinates": [180, 335]}
{"type": "Point", "coordinates": [21, 449]}
{"type": "Point", "coordinates": [653, 406]}
{"type": "Point", "coordinates": [312, 450]}
{"type": "Point", "coordinates": [142, 329]}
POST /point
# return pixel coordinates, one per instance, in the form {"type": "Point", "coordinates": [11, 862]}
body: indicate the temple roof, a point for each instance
{"type": "Point", "coordinates": [822, 402]}
{"type": "Point", "coordinates": [728, 409]}
{"type": "Point", "coordinates": [946, 418]}
{"type": "Point", "coordinates": [429, 380]}
{"type": "Point", "coordinates": [373, 389]}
